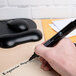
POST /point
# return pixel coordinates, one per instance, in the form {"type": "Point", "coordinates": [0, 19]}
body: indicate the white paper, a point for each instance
{"type": "Point", "coordinates": [60, 24]}
{"type": "Point", "coordinates": [54, 27]}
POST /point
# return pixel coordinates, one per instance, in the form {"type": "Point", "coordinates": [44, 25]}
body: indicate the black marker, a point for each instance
{"type": "Point", "coordinates": [60, 35]}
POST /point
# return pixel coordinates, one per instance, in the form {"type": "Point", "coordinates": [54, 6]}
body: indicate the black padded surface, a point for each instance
{"type": "Point", "coordinates": [10, 38]}
{"type": "Point", "coordinates": [5, 30]}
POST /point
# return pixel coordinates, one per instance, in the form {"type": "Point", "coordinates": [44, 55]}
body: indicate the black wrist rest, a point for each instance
{"type": "Point", "coordinates": [10, 38]}
{"type": "Point", "coordinates": [9, 41]}
{"type": "Point", "coordinates": [5, 30]}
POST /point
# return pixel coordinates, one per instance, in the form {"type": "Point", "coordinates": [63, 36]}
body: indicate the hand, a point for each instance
{"type": "Point", "coordinates": [62, 57]}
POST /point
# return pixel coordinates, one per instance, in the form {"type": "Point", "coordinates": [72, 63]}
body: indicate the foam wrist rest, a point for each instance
{"type": "Point", "coordinates": [24, 25]}
{"type": "Point", "coordinates": [13, 32]}
{"type": "Point", "coordinates": [6, 29]}
{"type": "Point", "coordinates": [10, 41]}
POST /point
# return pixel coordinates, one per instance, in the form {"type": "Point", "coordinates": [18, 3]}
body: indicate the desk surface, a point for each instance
{"type": "Point", "coordinates": [11, 57]}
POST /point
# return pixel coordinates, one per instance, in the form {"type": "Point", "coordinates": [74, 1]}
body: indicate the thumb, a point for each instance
{"type": "Point", "coordinates": [42, 51]}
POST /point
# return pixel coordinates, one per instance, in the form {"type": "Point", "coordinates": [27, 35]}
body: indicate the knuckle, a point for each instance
{"type": "Point", "coordinates": [37, 46]}
{"type": "Point", "coordinates": [66, 40]}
